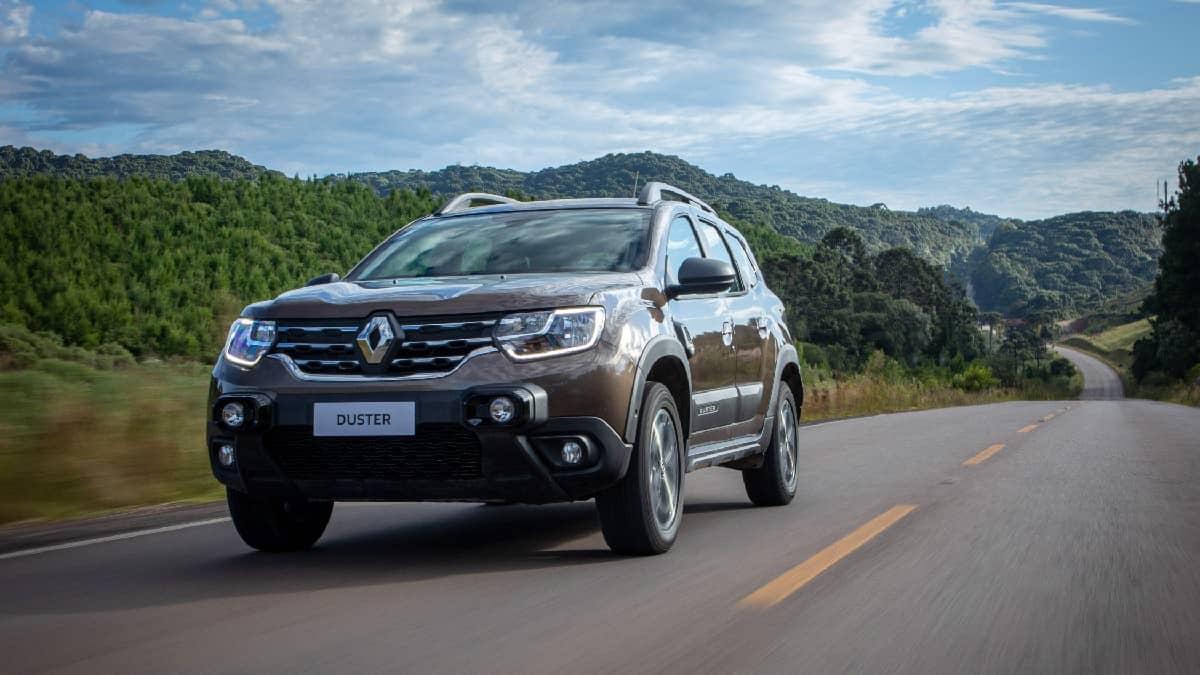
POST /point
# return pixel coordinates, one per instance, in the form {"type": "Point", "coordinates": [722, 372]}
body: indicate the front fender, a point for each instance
{"type": "Point", "coordinates": [659, 347]}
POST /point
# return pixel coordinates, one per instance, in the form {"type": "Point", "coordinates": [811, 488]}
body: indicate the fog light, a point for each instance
{"type": "Point", "coordinates": [233, 414]}
{"type": "Point", "coordinates": [502, 409]}
{"type": "Point", "coordinates": [226, 456]}
{"type": "Point", "coordinates": [572, 452]}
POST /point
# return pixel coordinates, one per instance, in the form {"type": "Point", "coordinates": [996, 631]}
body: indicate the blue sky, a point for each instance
{"type": "Point", "coordinates": [1025, 109]}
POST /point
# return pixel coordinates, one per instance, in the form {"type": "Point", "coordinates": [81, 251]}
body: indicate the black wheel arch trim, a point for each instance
{"type": "Point", "coordinates": [658, 348]}
{"type": "Point", "coordinates": [787, 355]}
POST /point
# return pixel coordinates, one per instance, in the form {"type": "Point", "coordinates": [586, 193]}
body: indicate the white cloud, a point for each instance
{"type": "Point", "coordinates": [1074, 13]}
{"type": "Point", "coordinates": [14, 22]}
{"type": "Point", "coordinates": [331, 86]}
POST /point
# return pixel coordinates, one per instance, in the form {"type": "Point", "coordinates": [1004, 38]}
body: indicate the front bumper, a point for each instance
{"type": "Point", "coordinates": [448, 458]}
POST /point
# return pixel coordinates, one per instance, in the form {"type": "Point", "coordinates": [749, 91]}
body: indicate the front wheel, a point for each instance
{"type": "Point", "coordinates": [640, 515]}
{"type": "Point", "coordinates": [774, 484]}
{"type": "Point", "coordinates": [275, 524]}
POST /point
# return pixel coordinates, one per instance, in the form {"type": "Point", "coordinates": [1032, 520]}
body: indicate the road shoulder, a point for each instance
{"type": "Point", "coordinates": [23, 536]}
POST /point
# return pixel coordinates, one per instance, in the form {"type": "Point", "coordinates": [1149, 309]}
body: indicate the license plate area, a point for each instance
{"type": "Point", "coordinates": [385, 418]}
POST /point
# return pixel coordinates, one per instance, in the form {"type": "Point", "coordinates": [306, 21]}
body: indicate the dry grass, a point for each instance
{"type": "Point", "coordinates": [1181, 393]}
{"type": "Point", "coordinates": [866, 395]}
{"type": "Point", "coordinates": [885, 386]}
{"type": "Point", "coordinates": [76, 441]}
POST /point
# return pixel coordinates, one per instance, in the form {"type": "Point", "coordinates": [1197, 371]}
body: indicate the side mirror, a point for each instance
{"type": "Point", "coordinates": [702, 275]}
{"type": "Point", "coordinates": [323, 279]}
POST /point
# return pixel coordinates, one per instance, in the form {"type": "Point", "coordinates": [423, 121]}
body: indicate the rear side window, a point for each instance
{"type": "Point", "coordinates": [717, 248]}
{"type": "Point", "coordinates": [743, 259]}
{"type": "Point", "coordinates": [681, 245]}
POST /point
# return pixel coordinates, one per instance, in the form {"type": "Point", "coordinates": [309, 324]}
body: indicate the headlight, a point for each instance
{"type": "Point", "coordinates": [248, 341]}
{"type": "Point", "coordinates": [535, 335]}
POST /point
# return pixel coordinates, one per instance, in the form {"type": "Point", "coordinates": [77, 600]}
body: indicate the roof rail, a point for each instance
{"type": "Point", "coordinates": [655, 191]}
{"type": "Point", "coordinates": [470, 200]}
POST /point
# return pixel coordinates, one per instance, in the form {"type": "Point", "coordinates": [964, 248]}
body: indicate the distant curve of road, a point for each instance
{"type": "Point", "coordinates": [1100, 383]}
{"type": "Point", "coordinates": [1028, 537]}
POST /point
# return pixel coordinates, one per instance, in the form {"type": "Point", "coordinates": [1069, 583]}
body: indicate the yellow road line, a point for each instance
{"type": "Point", "coordinates": [1025, 430]}
{"type": "Point", "coordinates": [794, 579]}
{"type": "Point", "coordinates": [1049, 417]}
{"type": "Point", "coordinates": [982, 457]}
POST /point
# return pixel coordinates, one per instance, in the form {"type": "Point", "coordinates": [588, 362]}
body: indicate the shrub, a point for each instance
{"type": "Point", "coordinates": [976, 377]}
{"type": "Point", "coordinates": [21, 348]}
{"type": "Point", "coordinates": [1061, 367]}
{"type": "Point", "coordinates": [813, 355]}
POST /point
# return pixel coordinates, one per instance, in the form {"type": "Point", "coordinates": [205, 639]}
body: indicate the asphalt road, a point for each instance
{"type": "Point", "coordinates": [1074, 548]}
{"type": "Point", "coordinates": [1100, 383]}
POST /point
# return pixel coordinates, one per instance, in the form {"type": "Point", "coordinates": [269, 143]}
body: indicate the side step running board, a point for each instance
{"type": "Point", "coordinates": [723, 452]}
{"type": "Point", "coordinates": [723, 455]}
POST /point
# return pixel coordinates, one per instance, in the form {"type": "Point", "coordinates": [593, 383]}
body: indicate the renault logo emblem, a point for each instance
{"type": "Point", "coordinates": [375, 338]}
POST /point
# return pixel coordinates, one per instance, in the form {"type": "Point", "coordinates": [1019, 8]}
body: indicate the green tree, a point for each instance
{"type": "Point", "coordinates": [160, 266]}
{"type": "Point", "coordinates": [1021, 344]}
{"type": "Point", "coordinates": [1174, 343]}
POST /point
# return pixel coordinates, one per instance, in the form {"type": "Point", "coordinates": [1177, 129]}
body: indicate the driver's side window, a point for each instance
{"type": "Point", "coordinates": [681, 245]}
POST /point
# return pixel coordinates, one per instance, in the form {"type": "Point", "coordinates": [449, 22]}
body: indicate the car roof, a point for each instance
{"type": "Point", "coordinates": [652, 195]}
{"type": "Point", "coordinates": [551, 204]}
{"type": "Point", "coordinates": [585, 203]}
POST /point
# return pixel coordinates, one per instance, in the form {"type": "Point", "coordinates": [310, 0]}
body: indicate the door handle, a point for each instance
{"type": "Point", "coordinates": [763, 323]}
{"type": "Point", "coordinates": [727, 332]}
{"type": "Point", "coordinates": [685, 336]}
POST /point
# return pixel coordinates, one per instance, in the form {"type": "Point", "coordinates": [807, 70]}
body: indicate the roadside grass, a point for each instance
{"type": "Point", "coordinates": [873, 393]}
{"type": "Point", "coordinates": [1114, 346]}
{"type": "Point", "coordinates": [1171, 392]}
{"type": "Point", "coordinates": [864, 395]}
{"type": "Point", "coordinates": [1121, 337]}
{"type": "Point", "coordinates": [1120, 358]}
{"type": "Point", "coordinates": [76, 440]}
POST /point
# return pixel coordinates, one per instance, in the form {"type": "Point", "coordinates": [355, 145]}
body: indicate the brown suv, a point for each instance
{"type": "Point", "coordinates": [500, 351]}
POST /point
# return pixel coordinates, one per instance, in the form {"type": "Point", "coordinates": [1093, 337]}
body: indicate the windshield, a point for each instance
{"type": "Point", "coordinates": [514, 242]}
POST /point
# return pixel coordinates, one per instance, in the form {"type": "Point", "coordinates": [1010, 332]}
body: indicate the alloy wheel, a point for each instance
{"type": "Point", "coordinates": [663, 449]}
{"type": "Point", "coordinates": [785, 443]}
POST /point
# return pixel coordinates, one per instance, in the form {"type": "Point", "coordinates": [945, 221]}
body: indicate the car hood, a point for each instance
{"type": "Point", "coordinates": [440, 296]}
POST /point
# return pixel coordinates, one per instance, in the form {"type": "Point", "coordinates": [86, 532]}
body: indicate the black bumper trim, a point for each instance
{"type": "Point", "coordinates": [512, 469]}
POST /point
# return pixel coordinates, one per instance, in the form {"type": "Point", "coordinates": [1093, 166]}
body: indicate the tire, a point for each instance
{"type": "Point", "coordinates": [276, 525]}
{"type": "Point", "coordinates": [640, 515]}
{"type": "Point", "coordinates": [774, 484]}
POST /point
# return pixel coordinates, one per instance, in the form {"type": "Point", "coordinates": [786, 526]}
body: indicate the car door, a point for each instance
{"type": "Point", "coordinates": [702, 324]}
{"type": "Point", "coordinates": [744, 313]}
{"type": "Point", "coordinates": [754, 373]}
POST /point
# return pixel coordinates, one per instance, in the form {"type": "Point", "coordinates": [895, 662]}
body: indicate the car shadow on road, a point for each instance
{"type": "Point", "coordinates": [464, 540]}
{"type": "Point", "coordinates": [717, 507]}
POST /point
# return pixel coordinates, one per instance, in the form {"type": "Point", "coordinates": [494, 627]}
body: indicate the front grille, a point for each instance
{"type": "Point", "coordinates": [325, 347]}
{"type": "Point", "coordinates": [429, 345]}
{"type": "Point", "coordinates": [436, 452]}
{"type": "Point", "coordinates": [439, 346]}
